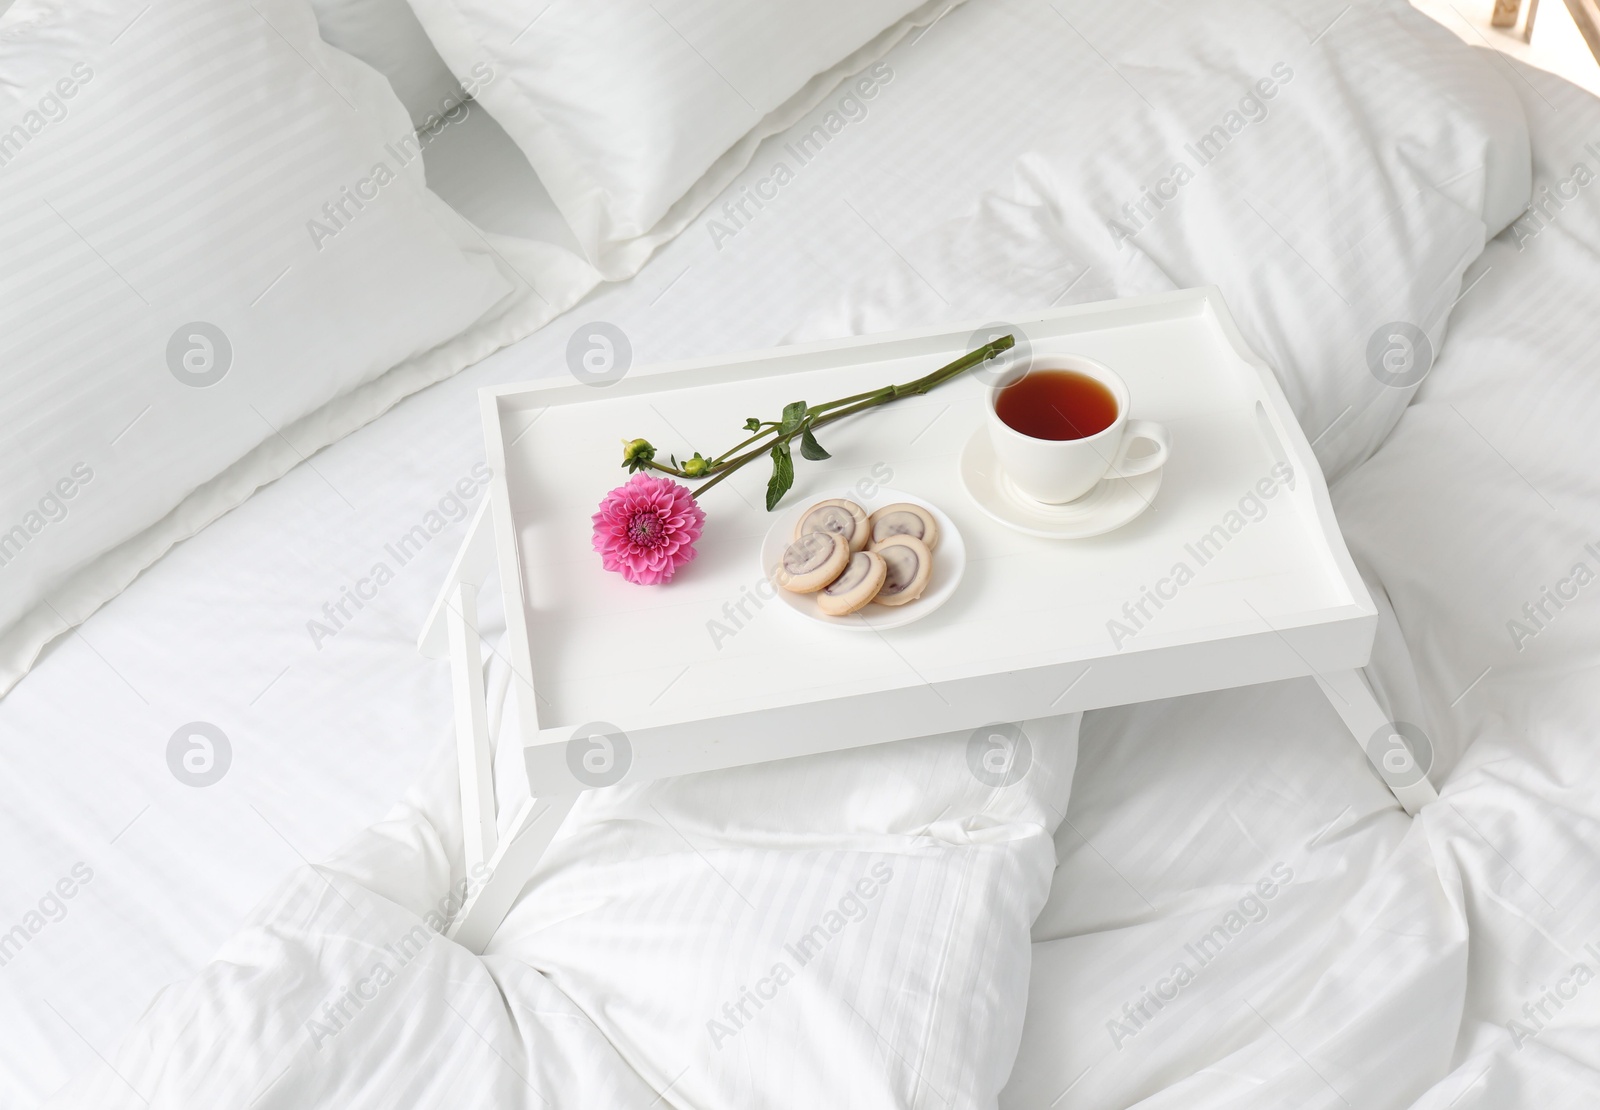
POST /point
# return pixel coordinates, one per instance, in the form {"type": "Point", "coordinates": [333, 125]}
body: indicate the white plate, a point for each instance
{"type": "Point", "coordinates": [949, 564]}
{"type": "Point", "coordinates": [1107, 507]}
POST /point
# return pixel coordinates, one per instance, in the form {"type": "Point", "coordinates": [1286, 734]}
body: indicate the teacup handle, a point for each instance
{"type": "Point", "coordinates": [1144, 464]}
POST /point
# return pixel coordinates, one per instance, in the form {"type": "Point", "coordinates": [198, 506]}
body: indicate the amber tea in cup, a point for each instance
{"type": "Point", "coordinates": [1057, 404]}
{"type": "Point", "coordinates": [1061, 429]}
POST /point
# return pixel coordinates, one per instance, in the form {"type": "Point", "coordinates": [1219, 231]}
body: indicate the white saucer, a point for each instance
{"type": "Point", "coordinates": [949, 563]}
{"type": "Point", "coordinates": [1107, 507]}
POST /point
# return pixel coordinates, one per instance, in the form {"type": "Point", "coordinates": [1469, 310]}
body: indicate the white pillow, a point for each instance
{"type": "Point", "coordinates": [178, 283]}
{"type": "Point", "coordinates": [1331, 185]}
{"type": "Point", "coordinates": [386, 35]}
{"type": "Point", "coordinates": [633, 113]}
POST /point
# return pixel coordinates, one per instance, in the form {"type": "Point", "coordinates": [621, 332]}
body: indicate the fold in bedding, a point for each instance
{"type": "Point", "coordinates": [844, 928]}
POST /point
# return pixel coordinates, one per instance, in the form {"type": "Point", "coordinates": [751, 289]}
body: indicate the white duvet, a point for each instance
{"type": "Point", "coordinates": [1445, 962]}
{"type": "Point", "coordinates": [1333, 952]}
{"type": "Point", "coordinates": [722, 940]}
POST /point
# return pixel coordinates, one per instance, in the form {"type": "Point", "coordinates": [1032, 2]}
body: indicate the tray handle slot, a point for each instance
{"type": "Point", "coordinates": [1272, 439]}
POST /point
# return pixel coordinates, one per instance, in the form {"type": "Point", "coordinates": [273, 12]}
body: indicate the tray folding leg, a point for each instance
{"type": "Point", "coordinates": [474, 757]}
{"type": "Point", "coordinates": [1353, 700]}
{"type": "Point", "coordinates": [502, 862]}
{"type": "Point", "coordinates": [511, 865]}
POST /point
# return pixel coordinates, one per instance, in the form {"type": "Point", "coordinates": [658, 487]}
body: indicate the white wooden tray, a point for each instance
{"type": "Point", "coordinates": [1235, 575]}
{"type": "Point", "coordinates": [700, 674]}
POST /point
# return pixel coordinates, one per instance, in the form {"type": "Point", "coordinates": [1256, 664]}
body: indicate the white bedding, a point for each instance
{"type": "Point", "coordinates": [175, 335]}
{"type": "Point", "coordinates": [1382, 971]}
{"type": "Point", "coordinates": [1442, 963]}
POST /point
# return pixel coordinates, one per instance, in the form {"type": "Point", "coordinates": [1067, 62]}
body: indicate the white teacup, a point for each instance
{"type": "Point", "coordinates": [1056, 471]}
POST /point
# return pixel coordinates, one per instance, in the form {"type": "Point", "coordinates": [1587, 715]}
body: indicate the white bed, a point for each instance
{"type": "Point", "coordinates": [1383, 970]}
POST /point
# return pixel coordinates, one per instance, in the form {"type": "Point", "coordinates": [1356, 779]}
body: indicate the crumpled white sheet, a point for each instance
{"type": "Point", "coordinates": [847, 929]}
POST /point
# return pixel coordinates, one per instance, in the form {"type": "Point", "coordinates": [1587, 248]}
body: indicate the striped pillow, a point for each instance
{"type": "Point", "coordinates": [211, 226]}
{"type": "Point", "coordinates": [636, 114]}
{"type": "Point", "coordinates": [386, 35]}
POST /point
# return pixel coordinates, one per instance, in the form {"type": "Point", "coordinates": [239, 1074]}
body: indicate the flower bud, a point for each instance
{"type": "Point", "coordinates": [637, 454]}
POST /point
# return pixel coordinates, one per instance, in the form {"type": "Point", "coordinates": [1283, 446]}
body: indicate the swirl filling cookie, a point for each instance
{"type": "Point", "coordinates": [811, 562]}
{"type": "Point", "coordinates": [840, 516]}
{"type": "Point", "coordinates": [903, 519]}
{"type": "Point", "coordinates": [909, 568]}
{"type": "Point", "coordinates": [856, 587]}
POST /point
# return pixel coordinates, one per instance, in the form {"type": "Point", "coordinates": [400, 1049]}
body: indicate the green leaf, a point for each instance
{"type": "Point", "coordinates": [752, 425]}
{"type": "Point", "coordinates": [810, 448]}
{"type": "Point", "coordinates": [782, 475]}
{"type": "Point", "coordinates": [793, 413]}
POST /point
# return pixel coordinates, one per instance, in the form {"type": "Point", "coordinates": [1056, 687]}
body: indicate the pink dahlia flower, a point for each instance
{"type": "Point", "coordinates": [646, 529]}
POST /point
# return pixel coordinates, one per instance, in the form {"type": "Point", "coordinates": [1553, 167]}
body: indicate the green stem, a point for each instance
{"type": "Point", "coordinates": [766, 430]}
{"type": "Point", "coordinates": [846, 400]}
{"type": "Point", "coordinates": [860, 402]}
{"type": "Point", "coordinates": [672, 470]}
{"type": "Point", "coordinates": [719, 463]}
{"type": "Point", "coordinates": [734, 464]}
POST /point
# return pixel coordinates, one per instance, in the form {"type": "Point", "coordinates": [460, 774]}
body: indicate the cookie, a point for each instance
{"type": "Point", "coordinates": [903, 519]}
{"type": "Point", "coordinates": [839, 516]}
{"type": "Point", "coordinates": [856, 587]}
{"type": "Point", "coordinates": [811, 562]}
{"type": "Point", "coordinates": [910, 569]}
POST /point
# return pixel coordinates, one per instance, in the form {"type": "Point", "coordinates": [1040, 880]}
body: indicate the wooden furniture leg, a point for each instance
{"type": "Point", "coordinates": [1586, 14]}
